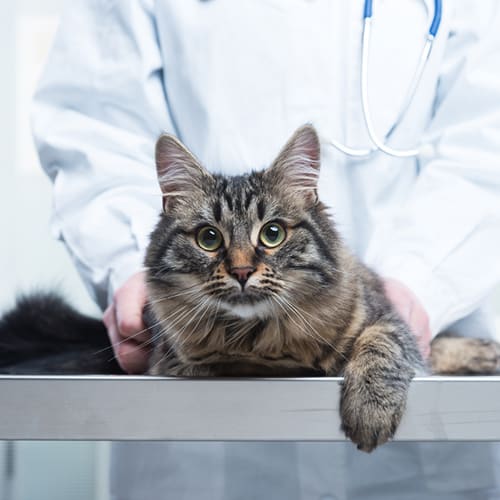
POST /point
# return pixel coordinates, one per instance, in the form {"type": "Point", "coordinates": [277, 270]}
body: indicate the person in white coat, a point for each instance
{"type": "Point", "coordinates": [232, 80]}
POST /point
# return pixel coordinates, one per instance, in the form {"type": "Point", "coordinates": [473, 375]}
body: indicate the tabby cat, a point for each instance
{"type": "Point", "coordinates": [247, 276]}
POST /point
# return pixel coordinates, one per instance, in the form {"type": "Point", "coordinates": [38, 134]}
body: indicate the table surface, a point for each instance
{"type": "Point", "coordinates": [306, 409]}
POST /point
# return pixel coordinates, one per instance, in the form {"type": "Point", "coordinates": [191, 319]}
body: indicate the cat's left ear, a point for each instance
{"type": "Point", "coordinates": [180, 175]}
{"type": "Point", "coordinates": [296, 169]}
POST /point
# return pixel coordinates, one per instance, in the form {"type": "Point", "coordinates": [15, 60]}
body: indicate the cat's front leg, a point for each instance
{"type": "Point", "coordinates": [376, 381]}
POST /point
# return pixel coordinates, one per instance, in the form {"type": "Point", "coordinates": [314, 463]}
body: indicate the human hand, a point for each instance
{"type": "Point", "coordinates": [411, 311]}
{"type": "Point", "coordinates": [126, 329]}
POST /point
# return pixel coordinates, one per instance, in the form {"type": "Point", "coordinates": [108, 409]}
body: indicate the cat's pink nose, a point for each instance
{"type": "Point", "coordinates": [242, 273]}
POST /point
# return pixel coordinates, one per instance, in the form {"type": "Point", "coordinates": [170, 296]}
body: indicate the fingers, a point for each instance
{"type": "Point", "coordinates": [126, 329]}
{"type": "Point", "coordinates": [129, 304]}
{"type": "Point", "coordinates": [411, 311]}
{"type": "Point", "coordinates": [419, 323]}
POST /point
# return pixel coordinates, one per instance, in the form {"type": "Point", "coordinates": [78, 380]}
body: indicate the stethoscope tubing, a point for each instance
{"type": "Point", "coordinates": [380, 144]}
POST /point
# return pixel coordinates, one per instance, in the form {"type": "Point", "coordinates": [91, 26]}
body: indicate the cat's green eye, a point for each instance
{"type": "Point", "coordinates": [209, 238]}
{"type": "Point", "coordinates": [272, 234]}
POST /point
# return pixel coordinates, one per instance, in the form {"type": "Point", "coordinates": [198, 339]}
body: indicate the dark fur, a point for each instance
{"type": "Point", "coordinates": [42, 334]}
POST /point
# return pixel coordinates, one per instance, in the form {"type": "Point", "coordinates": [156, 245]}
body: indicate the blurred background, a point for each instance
{"type": "Point", "coordinates": [30, 258]}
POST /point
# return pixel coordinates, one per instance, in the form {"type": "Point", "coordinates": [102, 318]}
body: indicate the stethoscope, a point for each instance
{"type": "Point", "coordinates": [378, 143]}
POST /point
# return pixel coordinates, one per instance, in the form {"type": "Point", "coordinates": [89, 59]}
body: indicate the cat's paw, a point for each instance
{"type": "Point", "coordinates": [370, 419]}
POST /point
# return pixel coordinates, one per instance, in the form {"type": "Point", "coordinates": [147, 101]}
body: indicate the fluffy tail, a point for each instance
{"type": "Point", "coordinates": [42, 334]}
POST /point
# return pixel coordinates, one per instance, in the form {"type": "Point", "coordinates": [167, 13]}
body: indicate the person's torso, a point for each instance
{"type": "Point", "coordinates": [241, 76]}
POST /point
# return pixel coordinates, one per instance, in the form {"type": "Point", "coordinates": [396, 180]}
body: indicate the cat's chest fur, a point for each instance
{"type": "Point", "coordinates": [234, 347]}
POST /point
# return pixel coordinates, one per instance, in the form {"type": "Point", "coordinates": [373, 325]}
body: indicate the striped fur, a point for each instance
{"type": "Point", "coordinates": [308, 308]}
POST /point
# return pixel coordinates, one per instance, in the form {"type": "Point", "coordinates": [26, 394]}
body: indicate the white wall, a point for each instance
{"type": "Point", "coordinates": [29, 257]}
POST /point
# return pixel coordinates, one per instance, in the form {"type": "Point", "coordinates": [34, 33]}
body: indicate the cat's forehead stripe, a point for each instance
{"type": "Point", "coordinates": [249, 198]}
{"type": "Point", "coordinates": [217, 209]}
{"type": "Point", "coordinates": [237, 195]}
{"type": "Point", "coordinates": [261, 209]}
{"type": "Point", "coordinates": [229, 201]}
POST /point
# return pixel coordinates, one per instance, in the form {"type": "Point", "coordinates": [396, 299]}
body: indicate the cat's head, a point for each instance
{"type": "Point", "coordinates": [255, 245]}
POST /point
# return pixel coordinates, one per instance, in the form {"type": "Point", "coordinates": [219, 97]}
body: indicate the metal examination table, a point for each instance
{"type": "Point", "coordinates": [153, 408]}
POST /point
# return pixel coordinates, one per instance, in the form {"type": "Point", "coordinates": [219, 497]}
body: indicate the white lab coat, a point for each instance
{"type": "Point", "coordinates": [233, 79]}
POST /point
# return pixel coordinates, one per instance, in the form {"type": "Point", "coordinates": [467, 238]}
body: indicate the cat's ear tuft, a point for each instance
{"type": "Point", "coordinates": [180, 174]}
{"type": "Point", "coordinates": [296, 169]}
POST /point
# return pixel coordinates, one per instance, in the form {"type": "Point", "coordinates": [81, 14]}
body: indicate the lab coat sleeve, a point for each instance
{"type": "Point", "coordinates": [99, 107]}
{"type": "Point", "coordinates": [444, 242]}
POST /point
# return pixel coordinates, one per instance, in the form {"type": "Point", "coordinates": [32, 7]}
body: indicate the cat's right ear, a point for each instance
{"type": "Point", "coordinates": [180, 174]}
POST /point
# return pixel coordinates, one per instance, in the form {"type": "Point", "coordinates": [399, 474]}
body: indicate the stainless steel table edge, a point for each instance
{"type": "Point", "coordinates": [250, 409]}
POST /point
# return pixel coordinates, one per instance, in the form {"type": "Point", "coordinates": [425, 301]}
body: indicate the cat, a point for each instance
{"type": "Point", "coordinates": [248, 276]}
